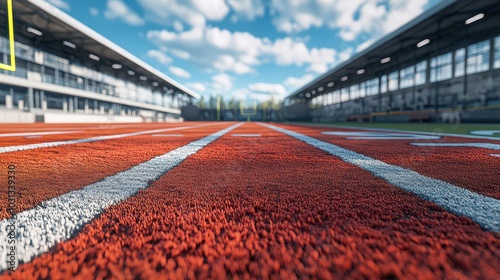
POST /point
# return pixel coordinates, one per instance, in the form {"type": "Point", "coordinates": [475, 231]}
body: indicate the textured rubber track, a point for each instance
{"type": "Point", "coordinates": [471, 168]}
{"type": "Point", "coordinates": [271, 207]}
{"type": "Point", "coordinates": [87, 132]}
{"type": "Point", "coordinates": [46, 173]}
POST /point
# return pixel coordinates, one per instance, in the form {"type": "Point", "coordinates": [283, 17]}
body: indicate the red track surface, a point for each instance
{"type": "Point", "coordinates": [269, 207]}
{"type": "Point", "coordinates": [471, 168]}
{"type": "Point", "coordinates": [49, 172]}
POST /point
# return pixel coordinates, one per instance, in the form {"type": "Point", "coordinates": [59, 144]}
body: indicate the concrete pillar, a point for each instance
{"type": "Point", "coordinates": [44, 105]}
{"type": "Point", "coordinates": [9, 101]}
{"type": "Point", "coordinates": [101, 110]}
{"type": "Point", "coordinates": [30, 99]}
{"type": "Point", "coordinates": [122, 112]}
{"type": "Point", "coordinates": [65, 104]}
{"type": "Point", "coordinates": [111, 112]}
{"type": "Point", "coordinates": [70, 104]}
{"type": "Point", "coordinates": [20, 104]}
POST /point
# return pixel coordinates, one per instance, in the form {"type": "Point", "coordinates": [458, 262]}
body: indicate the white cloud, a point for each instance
{"type": "Point", "coordinates": [247, 9]}
{"type": "Point", "coordinates": [273, 89]}
{"type": "Point", "coordinates": [240, 52]}
{"type": "Point", "coordinates": [178, 26]}
{"type": "Point", "coordinates": [180, 54]}
{"type": "Point", "coordinates": [179, 72]}
{"type": "Point", "coordinates": [119, 10]}
{"type": "Point", "coordinates": [197, 87]}
{"type": "Point", "coordinates": [60, 4]}
{"type": "Point", "coordinates": [355, 19]}
{"type": "Point", "coordinates": [94, 11]}
{"type": "Point", "coordinates": [159, 56]}
{"type": "Point", "coordinates": [222, 83]}
{"type": "Point", "coordinates": [293, 83]}
{"type": "Point", "coordinates": [191, 12]}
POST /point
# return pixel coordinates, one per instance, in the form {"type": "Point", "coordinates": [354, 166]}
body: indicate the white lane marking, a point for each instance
{"type": "Point", "coordinates": [87, 140]}
{"type": "Point", "coordinates": [32, 137]}
{"type": "Point", "coordinates": [57, 219]}
{"type": "Point", "coordinates": [485, 132]}
{"type": "Point", "coordinates": [245, 135]}
{"type": "Point", "coordinates": [471, 145]}
{"type": "Point", "coordinates": [38, 133]}
{"type": "Point", "coordinates": [495, 155]}
{"type": "Point", "coordinates": [166, 135]}
{"type": "Point", "coordinates": [358, 135]}
{"type": "Point", "coordinates": [482, 209]}
{"type": "Point", "coordinates": [398, 131]}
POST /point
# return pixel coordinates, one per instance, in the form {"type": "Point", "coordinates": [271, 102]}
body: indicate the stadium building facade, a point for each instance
{"type": "Point", "coordinates": [66, 72]}
{"type": "Point", "coordinates": [443, 66]}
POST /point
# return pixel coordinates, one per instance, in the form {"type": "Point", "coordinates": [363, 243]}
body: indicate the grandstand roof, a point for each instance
{"type": "Point", "coordinates": [57, 27]}
{"type": "Point", "coordinates": [444, 25]}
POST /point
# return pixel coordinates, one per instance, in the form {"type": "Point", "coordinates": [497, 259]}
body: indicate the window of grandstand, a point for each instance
{"type": "Point", "coordinates": [420, 74]}
{"type": "Point", "coordinates": [362, 89]}
{"type": "Point", "coordinates": [372, 87]}
{"type": "Point", "coordinates": [54, 101]}
{"type": "Point", "coordinates": [336, 97]}
{"type": "Point", "coordinates": [383, 84]}
{"type": "Point", "coordinates": [441, 67]}
{"type": "Point", "coordinates": [3, 96]}
{"type": "Point", "coordinates": [354, 92]}
{"type": "Point", "coordinates": [496, 61]}
{"type": "Point", "coordinates": [393, 81]}
{"type": "Point", "coordinates": [20, 97]}
{"type": "Point", "coordinates": [344, 95]}
{"type": "Point", "coordinates": [407, 76]}
{"type": "Point", "coordinates": [460, 62]}
{"type": "Point", "coordinates": [81, 104]}
{"type": "Point", "coordinates": [478, 57]}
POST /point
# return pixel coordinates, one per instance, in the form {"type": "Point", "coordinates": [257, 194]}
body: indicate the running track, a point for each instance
{"type": "Point", "coordinates": [248, 200]}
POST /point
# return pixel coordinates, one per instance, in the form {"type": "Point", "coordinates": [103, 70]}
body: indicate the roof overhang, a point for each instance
{"type": "Point", "coordinates": [444, 23]}
{"type": "Point", "coordinates": [57, 27]}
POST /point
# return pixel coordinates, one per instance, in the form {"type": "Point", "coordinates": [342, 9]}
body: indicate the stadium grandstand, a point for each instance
{"type": "Point", "coordinates": [444, 66]}
{"type": "Point", "coordinates": [66, 72]}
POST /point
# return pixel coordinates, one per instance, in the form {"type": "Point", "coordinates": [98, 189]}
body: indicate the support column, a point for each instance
{"type": "Point", "coordinates": [44, 102]}
{"type": "Point", "coordinates": [9, 99]}
{"type": "Point", "coordinates": [30, 99]}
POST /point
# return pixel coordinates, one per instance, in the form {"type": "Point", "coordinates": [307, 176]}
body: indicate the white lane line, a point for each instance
{"type": "Point", "coordinates": [166, 135]}
{"type": "Point", "coordinates": [57, 219]}
{"type": "Point", "coordinates": [398, 131]}
{"type": "Point", "coordinates": [245, 135]}
{"type": "Point", "coordinates": [87, 140]}
{"type": "Point", "coordinates": [472, 145]}
{"type": "Point", "coordinates": [485, 132]}
{"type": "Point", "coordinates": [358, 135]}
{"type": "Point", "coordinates": [482, 209]}
{"type": "Point", "coordinates": [38, 133]}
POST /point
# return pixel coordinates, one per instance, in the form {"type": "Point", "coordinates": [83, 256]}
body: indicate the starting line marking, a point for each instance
{"type": "Point", "coordinates": [27, 134]}
{"type": "Point", "coordinates": [482, 209]}
{"type": "Point", "coordinates": [485, 132]}
{"type": "Point", "coordinates": [88, 140]}
{"type": "Point", "coordinates": [245, 135]}
{"type": "Point", "coordinates": [166, 135]}
{"type": "Point", "coordinates": [57, 219]}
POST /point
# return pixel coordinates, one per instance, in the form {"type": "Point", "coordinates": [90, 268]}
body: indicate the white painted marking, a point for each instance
{"type": "Point", "coordinates": [359, 135]}
{"type": "Point", "coordinates": [245, 135]}
{"type": "Point", "coordinates": [471, 145]}
{"type": "Point", "coordinates": [88, 140]}
{"type": "Point", "coordinates": [485, 132]}
{"type": "Point", "coordinates": [32, 137]}
{"type": "Point", "coordinates": [494, 155]}
{"type": "Point", "coordinates": [482, 209]}
{"type": "Point", "coordinates": [399, 131]}
{"type": "Point", "coordinates": [57, 219]}
{"type": "Point", "coordinates": [166, 135]}
{"type": "Point", "coordinates": [38, 133]}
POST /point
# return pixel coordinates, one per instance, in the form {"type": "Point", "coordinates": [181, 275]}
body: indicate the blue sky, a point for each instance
{"type": "Point", "coordinates": [248, 49]}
